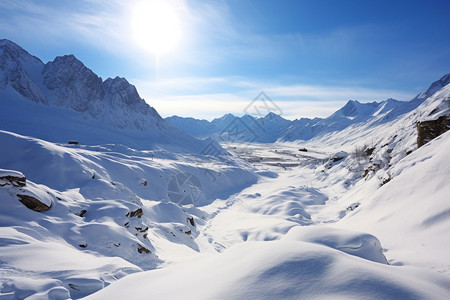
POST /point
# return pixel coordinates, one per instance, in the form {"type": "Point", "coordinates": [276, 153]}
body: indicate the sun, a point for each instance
{"type": "Point", "coordinates": [156, 26]}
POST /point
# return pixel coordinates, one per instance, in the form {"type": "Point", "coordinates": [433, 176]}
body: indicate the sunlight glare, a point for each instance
{"type": "Point", "coordinates": [156, 26]}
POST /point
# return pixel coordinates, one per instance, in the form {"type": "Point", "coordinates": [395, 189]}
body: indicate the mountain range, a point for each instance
{"type": "Point", "coordinates": [356, 207]}
{"type": "Point", "coordinates": [74, 99]}
{"type": "Point", "coordinates": [274, 127]}
{"type": "Point", "coordinates": [63, 100]}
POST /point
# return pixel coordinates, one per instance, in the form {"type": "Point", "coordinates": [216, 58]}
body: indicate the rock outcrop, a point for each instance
{"type": "Point", "coordinates": [428, 130]}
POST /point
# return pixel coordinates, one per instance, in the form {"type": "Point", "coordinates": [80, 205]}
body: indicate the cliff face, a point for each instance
{"type": "Point", "coordinates": [428, 130]}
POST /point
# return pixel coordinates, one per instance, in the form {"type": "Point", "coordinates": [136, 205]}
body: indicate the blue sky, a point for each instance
{"type": "Point", "coordinates": [310, 56]}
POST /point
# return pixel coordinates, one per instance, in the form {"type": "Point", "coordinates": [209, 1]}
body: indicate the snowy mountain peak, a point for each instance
{"type": "Point", "coordinates": [354, 108]}
{"type": "Point", "coordinates": [224, 120]}
{"type": "Point", "coordinates": [226, 117]}
{"type": "Point", "coordinates": [272, 116]}
{"type": "Point", "coordinates": [72, 84]}
{"type": "Point", "coordinates": [121, 90]}
{"type": "Point", "coordinates": [19, 69]}
{"type": "Point", "coordinates": [434, 87]}
{"type": "Point", "coordinates": [12, 51]}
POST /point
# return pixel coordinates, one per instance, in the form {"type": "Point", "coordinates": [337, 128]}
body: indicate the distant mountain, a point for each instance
{"type": "Point", "coordinates": [396, 130]}
{"type": "Point", "coordinates": [434, 87]}
{"type": "Point", "coordinates": [273, 127]}
{"type": "Point", "coordinates": [351, 113]}
{"type": "Point", "coordinates": [234, 129]}
{"type": "Point", "coordinates": [63, 99]}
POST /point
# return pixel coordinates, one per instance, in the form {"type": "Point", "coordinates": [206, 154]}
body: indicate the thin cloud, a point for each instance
{"type": "Point", "coordinates": [337, 93]}
{"type": "Point", "coordinates": [213, 97]}
{"type": "Point", "coordinates": [91, 22]}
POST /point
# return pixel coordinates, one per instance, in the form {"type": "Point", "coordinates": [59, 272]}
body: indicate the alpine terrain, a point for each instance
{"type": "Point", "coordinates": [102, 198]}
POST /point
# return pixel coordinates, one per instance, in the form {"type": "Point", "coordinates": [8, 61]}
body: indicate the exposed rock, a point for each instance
{"type": "Point", "coordinates": [33, 203]}
{"type": "Point", "coordinates": [141, 230]}
{"type": "Point", "coordinates": [428, 130]}
{"type": "Point", "coordinates": [143, 182]}
{"type": "Point", "coordinates": [137, 213]}
{"type": "Point", "coordinates": [369, 151]}
{"type": "Point", "coordinates": [353, 206]}
{"type": "Point", "coordinates": [385, 180]}
{"type": "Point", "coordinates": [142, 249]}
{"type": "Point", "coordinates": [336, 159]}
{"type": "Point", "coordinates": [81, 213]}
{"type": "Point", "coordinates": [191, 220]}
{"type": "Point", "coordinates": [14, 180]}
{"type": "Point", "coordinates": [338, 156]}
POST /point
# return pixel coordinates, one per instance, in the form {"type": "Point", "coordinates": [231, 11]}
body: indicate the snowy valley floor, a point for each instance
{"type": "Point", "coordinates": [309, 225]}
{"type": "Point", "coordinates": [311, 230]}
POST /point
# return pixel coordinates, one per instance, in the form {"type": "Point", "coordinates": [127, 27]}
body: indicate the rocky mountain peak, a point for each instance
{"type": "Point", "coordinates": [121, 91]}
{"type": "Point", "coordinates": [72, 84]}
{"type": "Point", "coordinates": [10, 51]}
{"type": "Point", "coordinates": [19, 69]}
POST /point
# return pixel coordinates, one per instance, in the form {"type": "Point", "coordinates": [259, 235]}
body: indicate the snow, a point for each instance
{"type": "Point", "coordinates": [278, 270]}
{"type": "Point", "coordinates": [141, 210]}
{"type": "Point", "coordinates": [421, 224]}
{"type": "Point", "coordinates": [93, 192]}
{"type": "Point", "coordinates": [267, 254]}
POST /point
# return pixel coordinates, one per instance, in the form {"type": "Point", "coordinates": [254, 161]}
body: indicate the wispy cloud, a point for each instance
{"type": "Point", "coordinates": [97, 23]}
{"type": "Point", "coordinates": [340, 93]}
{"type": "Point", "coordinates": [214, 96]}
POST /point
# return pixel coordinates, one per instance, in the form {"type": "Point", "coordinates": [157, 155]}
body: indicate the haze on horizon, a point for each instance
{"type": "Point", "coordinates": [207, 58]}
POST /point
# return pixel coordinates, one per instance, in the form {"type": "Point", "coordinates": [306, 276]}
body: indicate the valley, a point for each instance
{"type": "Point", "coordinates": [102, 198]}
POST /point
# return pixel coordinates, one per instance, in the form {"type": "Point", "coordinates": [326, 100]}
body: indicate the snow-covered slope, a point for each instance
{"type": "Point", "coordinates": [286, 269]}
{"type": "Point", "coordinates": [63, 100]}
{"type": "Point", "coordinates": [282, 239]}
{"type": "Point", "coordinates": [85, 216]}
{"type": "Point", "coordinates": [411, 212]}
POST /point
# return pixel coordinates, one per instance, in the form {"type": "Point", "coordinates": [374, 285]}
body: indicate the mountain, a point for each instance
{"type": "Point", "coordinates": [63, 100]}
{"type": "Point", "coordinates": [273, 127]}
{"type": "Point", "coordinates": [195, 127]}
{"type": "Point", "coordinates": [234, 129]}
{"type": "Point", "coordinates": [434, 87]}
{"type": "Point", "coordinates": [352, 112]}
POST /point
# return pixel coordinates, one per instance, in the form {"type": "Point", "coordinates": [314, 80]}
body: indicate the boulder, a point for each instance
{"type": "Point", "coordinates": [33, 203]}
